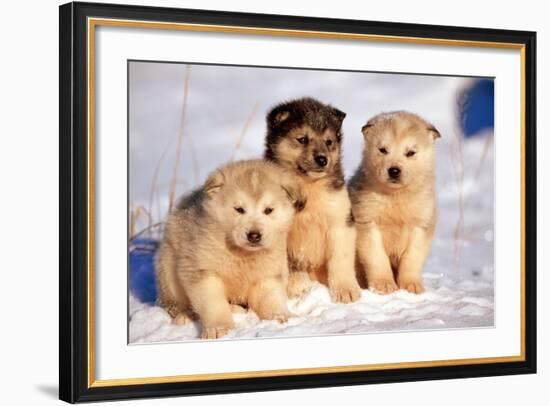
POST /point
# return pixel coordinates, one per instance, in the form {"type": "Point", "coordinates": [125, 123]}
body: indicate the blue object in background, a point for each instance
{"type": "Point", "coordinates": [479, 107]}
{"type": "Point", "coordinates": [142, 269]}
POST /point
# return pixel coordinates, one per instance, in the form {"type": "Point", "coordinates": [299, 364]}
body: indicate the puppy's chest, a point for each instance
{"type": "Point", "coordinates": [395, 213]}
{"type": "Point", "coordinates": [239, 274]}
{"type": "Point", "coordinates": [308, 235]}
{"type": "Point", "coordinates": [396, 218]}
{"type": "Point", "coordinates": [310, 220]}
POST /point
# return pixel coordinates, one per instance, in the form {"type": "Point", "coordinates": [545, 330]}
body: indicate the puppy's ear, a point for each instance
{"type": "Point", "coordinates": [338, 114]}
{"type": "Point", "coordinates": [367, 128]}
{"type": "Point", "coordinates": [295, 194]}
{"type": "Point", "coordinates": [277, 116]}
{"type": "Point", "coordinates": [214, 183]}
{"type": "Point", "coordinates": [434, 132]}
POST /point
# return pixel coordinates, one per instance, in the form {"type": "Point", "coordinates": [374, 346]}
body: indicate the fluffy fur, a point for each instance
{"type": "Point", "coordinates": [304, 136]}
{"type": "Point", "coordinates": [393, 200]}
{"type": "Point", "coordinates": [226, 244]}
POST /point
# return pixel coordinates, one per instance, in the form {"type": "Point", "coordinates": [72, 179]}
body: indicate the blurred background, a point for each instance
{"type": "Point", "coordinates": [186, 120]}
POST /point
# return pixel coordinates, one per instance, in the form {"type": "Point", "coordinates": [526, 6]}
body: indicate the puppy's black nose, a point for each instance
{"type": "Point", "coordinates": [394, 172]}
{"type": "Point", "coordinates": [254, 236]}
{"type": "Point", "coordinates": [321, 160]}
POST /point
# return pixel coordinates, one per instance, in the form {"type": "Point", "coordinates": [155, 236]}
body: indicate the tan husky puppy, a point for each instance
{"type": "Point", "coordinates": [227, 244]}
{"type": "Point", "coordinates": [304, 136]}
{"type": "Point", "coordinates": [392, 194]}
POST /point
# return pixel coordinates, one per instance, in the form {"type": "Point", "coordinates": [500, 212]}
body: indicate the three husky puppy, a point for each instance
{"type": "Point", "coordinates": [260, 231]}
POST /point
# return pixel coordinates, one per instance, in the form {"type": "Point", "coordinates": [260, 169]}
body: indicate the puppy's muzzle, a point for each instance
{"type": "Point", "coordinates": [394, 173]}
{"type": "Point", "coordinates": [321, 161]}
{"type": "Point", "coordinates": [254, 237]}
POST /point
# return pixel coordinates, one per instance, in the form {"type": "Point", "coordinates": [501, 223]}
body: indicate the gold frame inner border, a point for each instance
{"type": "Point", "coordinates": [95, 22]}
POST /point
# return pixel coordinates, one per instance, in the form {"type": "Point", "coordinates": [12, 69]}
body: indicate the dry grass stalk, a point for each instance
{"type": "Point", "coordinates": [157, 197]}
{"type": "Point", "coordinates": [146, 229]}
{"type": "Point", "coordinates": [486, 147]}
{"type": "Point", "coordinates": [135, 213]}
{"type": "Point", "coordinates": [174, 181]}
{"type": "Point", "coordinates": [154, 187]}
{"type": "Point", "coordinates": [194, 160]}
{"type": "Point", "coordinates": [244, 131]}
{"type": "Point", "coordinates": [457, 161]}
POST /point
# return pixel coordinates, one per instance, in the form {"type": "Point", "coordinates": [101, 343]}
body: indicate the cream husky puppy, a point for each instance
{"type": "Point", "coordinates": [304, 136]}
{"type": "Point", "coordinates": [392, 194]}
{"type": "Point", "coordinates": [226, 244]}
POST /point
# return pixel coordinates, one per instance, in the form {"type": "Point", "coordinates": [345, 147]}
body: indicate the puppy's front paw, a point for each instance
{"type": "Point", "coordinates": [217, 331]}
{"type": "Point", "coordinates": [238, 309]}
{"type": "Point", "coordinates": [345, 292]}
{"type": "Point", "coordinates": [411, 285]}
{"type": "Point", "coordinates": [181, 319]}
{"type": "Point", "coordinates": [282, 317]}
{"type": "Point", "coordinates": [298, 285]}
{"type": "Point", "coordinates": [210, 333]}
{"type": "Point", "coordinates": [278, 313]}
{"type": "Point", "coordinates": [382, 286]}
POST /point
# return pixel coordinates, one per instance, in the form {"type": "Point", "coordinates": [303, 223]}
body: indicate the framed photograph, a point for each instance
{"type": "Point", "coordinates": [259, 202]}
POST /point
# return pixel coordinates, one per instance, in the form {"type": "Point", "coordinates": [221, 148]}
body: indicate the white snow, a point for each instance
{"type": "Point", "coordinates": [459, 272]}
{"type": "Point", "coordinates": [446, 304]}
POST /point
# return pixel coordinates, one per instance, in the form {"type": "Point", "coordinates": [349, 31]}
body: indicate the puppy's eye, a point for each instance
{"type": "Point", "coordinates": [328, 142]}
{"type": "Point", "coordinates": [410, 153]}
{"type": "Point", "coordinates": [239, 210]}
{"type": "Point", "coordinates": [383, 150]}
{"type": "Point", "coordinates": [268, 211]}
{"type": "Point", "coordinates": [303, 140]}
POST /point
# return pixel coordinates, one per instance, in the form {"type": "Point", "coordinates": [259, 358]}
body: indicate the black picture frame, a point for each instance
{"type": "Point", "coordinates": [74, 199]}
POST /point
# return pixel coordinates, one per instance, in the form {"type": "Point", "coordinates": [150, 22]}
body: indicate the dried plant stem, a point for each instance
{"type": "Point", "coordinates": [457, 160]}
{"type": "Point", "coordinates": [149, 228]}
{"type": "Point", "coordinates": [133, 221]}
{"type": "Point", "coordinates": [194, 160]}
{"type": "Point", "coordinates": [459, 228]}
{"type": "Point", "coordinates": [181, 182]}
{"type": "Point", "coordinates": [486, 147]}
{"type": "Point", "coordinates": [154, 187]}
{"type": "Point", "coordinates": [174, 181]}
{"type": "Point", "coordinates": [157, 199]}
{"type": "Point", "coordinates": [459, 174]}
{"type": "Point", "coordinates": [135, 214]}
{"type": "Point", "coordinates": [470, 234]}
{"type": "Point", "coordinates": [244, 131]}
